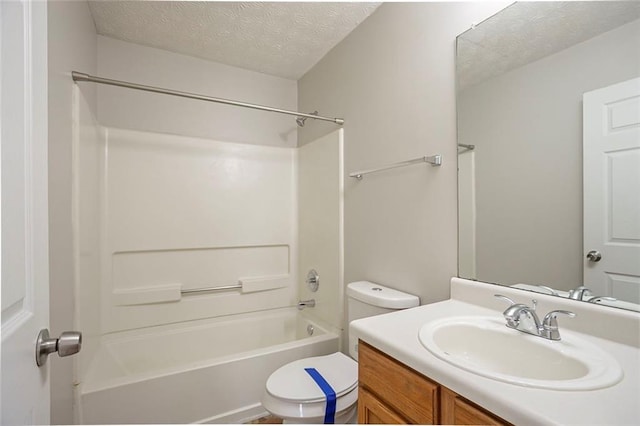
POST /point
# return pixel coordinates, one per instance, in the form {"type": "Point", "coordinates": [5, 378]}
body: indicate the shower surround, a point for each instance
{"type": "Point", "coordinates": [161, 211]}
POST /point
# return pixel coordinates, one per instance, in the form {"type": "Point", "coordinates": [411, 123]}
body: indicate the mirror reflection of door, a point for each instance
{"type": "Point", "coordinates": [611, 118]}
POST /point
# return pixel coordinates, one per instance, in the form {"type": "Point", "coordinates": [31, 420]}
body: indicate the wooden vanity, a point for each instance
{"type": "Point", "coordinates": [402, 381]}
{"type": "Point", "coordinates": [391, 393]}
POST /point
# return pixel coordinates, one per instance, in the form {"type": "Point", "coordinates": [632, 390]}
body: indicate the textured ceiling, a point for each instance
{"type": "Point", "coordinates": [527, 31]}
{"type": "Point", "coordinates": [283, 39]}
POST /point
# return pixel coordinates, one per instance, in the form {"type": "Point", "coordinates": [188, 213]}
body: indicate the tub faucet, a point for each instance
{"type": "Point", "coordinates": [304, 303]}
{"type": "Point", "coordinates": [524, 318]}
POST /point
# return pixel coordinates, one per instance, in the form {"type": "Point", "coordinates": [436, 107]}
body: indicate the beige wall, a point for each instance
{"type": "Point", "coordinates": [72, 46]}
{"type": "Point", "coordinates": [393, 81]}
{"type": "Point", "coordinates": [527, 128]}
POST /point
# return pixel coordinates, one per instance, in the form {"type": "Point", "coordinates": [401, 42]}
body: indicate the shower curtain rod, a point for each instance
{"type": "Point", "coordinates": [80, 76]}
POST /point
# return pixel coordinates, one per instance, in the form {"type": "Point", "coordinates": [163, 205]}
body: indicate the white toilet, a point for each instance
{"type": "Point", "coordinates": [294, 396]}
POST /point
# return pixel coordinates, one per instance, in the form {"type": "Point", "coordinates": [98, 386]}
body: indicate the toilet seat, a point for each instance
{"type": "Point", "coordinates": [292, 383]}
{"type": "Point", "coordinates": [292, 394]}
{"type": "Point", "coordinates": [303, 412]}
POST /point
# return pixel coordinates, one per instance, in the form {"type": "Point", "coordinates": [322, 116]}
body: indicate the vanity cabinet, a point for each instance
{"type": "Point", "coordinates": [391, 393]}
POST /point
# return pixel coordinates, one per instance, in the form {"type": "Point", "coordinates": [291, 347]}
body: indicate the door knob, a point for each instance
{"type": "Point", "coordinates": [69, 343]}
{"type": "Point", "coordinates": [594, 256]}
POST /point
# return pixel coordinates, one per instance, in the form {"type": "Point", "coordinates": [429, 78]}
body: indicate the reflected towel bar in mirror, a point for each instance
{"type": "Point", "coordinates": [466, 147]}
{"type": "Point", "coordinates": [434, 160]}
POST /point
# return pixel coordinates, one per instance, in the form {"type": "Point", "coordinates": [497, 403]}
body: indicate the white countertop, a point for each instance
{"type": "Point", "coordinates": [397, 335]}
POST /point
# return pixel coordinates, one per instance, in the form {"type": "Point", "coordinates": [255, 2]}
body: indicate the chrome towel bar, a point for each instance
{"type": "Point", "coordinates": [434, 160]}
{"type": "Point", "coordinates": [173, 292]}
{"type": "Point", "coordinates": [465, 147]}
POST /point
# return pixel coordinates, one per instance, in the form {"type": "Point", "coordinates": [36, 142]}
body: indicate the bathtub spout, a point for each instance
{"type": "Point", "coordinates": [304, 303]}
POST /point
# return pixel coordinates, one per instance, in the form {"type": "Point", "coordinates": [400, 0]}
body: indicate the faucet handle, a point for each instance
{"type": "Point", "coordinates": [500, 296]}
{"type": "Point", "coordinates": [513, 312]}
{"type": "Point", "coordinates": [550, 323]}
{"type": "Point", "coordinates": [598, 299]}
{"type": "Point", "coordinates": [551, 316]}
{"type": "Point", "coordinates": [549, 289]}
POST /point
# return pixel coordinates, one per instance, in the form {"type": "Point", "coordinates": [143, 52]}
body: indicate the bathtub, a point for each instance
{"type": "Point", "coordinates": [205, 371]}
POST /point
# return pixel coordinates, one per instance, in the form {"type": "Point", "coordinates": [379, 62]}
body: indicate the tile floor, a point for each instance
{"type": "Point", "coordinates": [266, 420]}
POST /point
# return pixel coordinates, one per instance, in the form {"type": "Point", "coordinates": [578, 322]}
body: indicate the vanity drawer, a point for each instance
{"type": "Point", "coordinates": [400, 388]}
{"type": "Point", "coordinates": [372, 411]}
{"type": "Point", "coordinates": [458, 411]}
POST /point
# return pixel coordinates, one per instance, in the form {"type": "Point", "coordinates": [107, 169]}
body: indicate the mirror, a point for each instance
{"type": "Point", "coordinates": [548, 103]}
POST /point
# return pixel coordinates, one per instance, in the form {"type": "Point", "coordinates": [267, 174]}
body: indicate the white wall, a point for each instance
{"type": "Point", "coordinates": [392, 79]}
{"type": "Point", "coordinates": [527, 128]}
{"type": "Point", "coordinates": [193, 213]}
{"type": "Point", "coordinates": [88, 167]}
{"type": "Point", "coordinates": [136, 110]}
{"type": "Point", "coordinates": [72, 46]}
{"type": "Point", "coordinates": [320, 225]}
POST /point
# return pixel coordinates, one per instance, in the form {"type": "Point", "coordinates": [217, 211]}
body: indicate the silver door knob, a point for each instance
{"type": "Point", "coordinates": [594, 256]}
{"type": "Point", "coordinates": [69, 343]}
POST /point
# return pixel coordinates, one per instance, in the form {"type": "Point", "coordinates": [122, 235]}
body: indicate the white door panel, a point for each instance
{"type": "Point", "coordinates": [612, 189]}
{"type": "Point", "coordinates": [25, 285]}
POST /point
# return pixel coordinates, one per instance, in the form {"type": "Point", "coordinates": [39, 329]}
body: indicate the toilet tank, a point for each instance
{"type": "Point", "coordinates": [366, 299]}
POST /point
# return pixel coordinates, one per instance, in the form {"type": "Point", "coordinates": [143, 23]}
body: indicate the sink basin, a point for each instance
{"type": "Point", "coordinates": [485, 346]}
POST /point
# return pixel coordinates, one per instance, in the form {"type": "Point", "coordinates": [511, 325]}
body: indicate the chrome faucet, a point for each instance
{"type": "Point", "coordinates": [580, 293]}
{"type": "Point", "coordinates": [524, 318]}
{"type": "Point", "coordinates": [583, 293]}
{"type": "Point", "coordinates": [304, 303]}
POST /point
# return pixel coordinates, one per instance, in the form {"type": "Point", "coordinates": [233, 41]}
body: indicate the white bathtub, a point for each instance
{"type": "Point", "coordinates": [207, 371]}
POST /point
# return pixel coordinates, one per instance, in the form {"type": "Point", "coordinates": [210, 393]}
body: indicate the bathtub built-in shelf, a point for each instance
{"type": "Point", "coordinates": [174, 292]}
{"type": "Point", "coordinates": [212, 289]}
{"type": "Point", "coordinates": [434, 160]}
{"type": "Point", "coordinates": [147, 295]}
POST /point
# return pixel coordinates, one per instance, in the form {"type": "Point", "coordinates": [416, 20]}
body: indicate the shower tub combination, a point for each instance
{"type": "Point", "coordinates": [205, 371]}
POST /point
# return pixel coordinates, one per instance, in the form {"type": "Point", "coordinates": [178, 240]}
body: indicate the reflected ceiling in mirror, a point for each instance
{"type": "Point", "coordinates": [526, 32]}
{"type": "Point", "coordinates": [522, 75]}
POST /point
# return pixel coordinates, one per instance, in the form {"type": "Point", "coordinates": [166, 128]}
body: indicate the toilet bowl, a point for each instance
{"type": "Point", "coordinates": [293, 395]}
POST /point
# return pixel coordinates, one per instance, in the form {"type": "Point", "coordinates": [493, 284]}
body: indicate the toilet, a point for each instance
{"type": "Point", "coordinates": [293, 395]}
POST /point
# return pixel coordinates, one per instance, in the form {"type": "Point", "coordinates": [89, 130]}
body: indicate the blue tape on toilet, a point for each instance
{"type": "Point", "coordinates": [330, 411]}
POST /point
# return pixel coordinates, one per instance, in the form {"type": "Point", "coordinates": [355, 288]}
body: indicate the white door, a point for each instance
{"type": "Point", "coordinates": [612, 190]}
{"type": "Point", "coordinates": [25, 275]}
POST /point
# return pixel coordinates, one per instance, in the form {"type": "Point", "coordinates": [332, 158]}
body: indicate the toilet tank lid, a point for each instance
{"type": "Point", "coordinates": [381, 296]}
